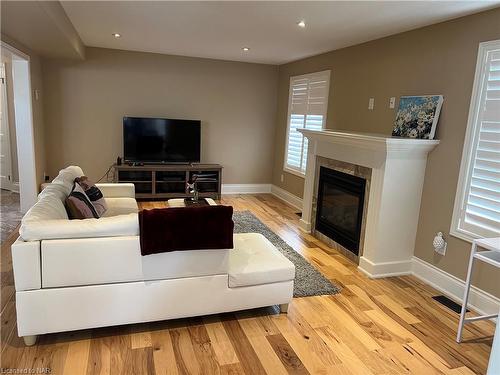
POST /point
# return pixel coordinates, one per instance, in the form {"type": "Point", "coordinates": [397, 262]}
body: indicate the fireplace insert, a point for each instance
{"type": "Point", "coordinates": [340, 207]}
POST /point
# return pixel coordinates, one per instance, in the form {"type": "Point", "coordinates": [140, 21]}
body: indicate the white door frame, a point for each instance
{"type": "Point", "coordinates": [21, 77]}
{"type": "Point", "coordinates": [6, 172]}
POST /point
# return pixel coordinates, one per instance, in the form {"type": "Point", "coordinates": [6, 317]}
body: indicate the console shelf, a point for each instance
{"type": "Point", "coordinates": [169, 181]}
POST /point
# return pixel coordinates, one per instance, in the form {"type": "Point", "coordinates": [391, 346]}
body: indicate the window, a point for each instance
{"type": "Point", "coordinates": [477, 203]}
{"type": "Point", "coordinates": [307, 105]}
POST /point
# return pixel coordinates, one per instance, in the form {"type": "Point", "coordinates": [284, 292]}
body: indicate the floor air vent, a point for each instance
{"type": "Point", "coordinates": [452, 305]}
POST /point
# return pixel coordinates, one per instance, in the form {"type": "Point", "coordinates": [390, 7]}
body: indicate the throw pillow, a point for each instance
{"type": "Point", "coordinates": [94, 194]}
{"type": "Point", "coordinates": [78, 205]}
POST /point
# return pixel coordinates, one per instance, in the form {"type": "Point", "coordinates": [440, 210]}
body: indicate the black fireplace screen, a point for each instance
{"type": "Point", "coordinates": [340, 207]}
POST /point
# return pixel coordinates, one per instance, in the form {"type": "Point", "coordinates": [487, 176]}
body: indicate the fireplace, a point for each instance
{"type": "Point", "coordinates": [394, 170]}
{"type": "Point", "coordinates": [339, 210]}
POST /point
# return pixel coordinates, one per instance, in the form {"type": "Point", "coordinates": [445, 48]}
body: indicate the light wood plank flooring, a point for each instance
{"type": "Point", "coordinates": [388, 326]}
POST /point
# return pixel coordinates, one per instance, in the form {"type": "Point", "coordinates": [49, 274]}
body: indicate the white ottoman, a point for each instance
{"type": "Point", "coordinates": [256, 261]}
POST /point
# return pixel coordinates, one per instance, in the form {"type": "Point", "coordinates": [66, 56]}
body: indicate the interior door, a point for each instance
{"type": "Point", "coordinates": [5, 154]}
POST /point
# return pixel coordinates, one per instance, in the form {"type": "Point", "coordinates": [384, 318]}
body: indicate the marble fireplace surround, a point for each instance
{"type": "Point", "coordinates": [397, 176]}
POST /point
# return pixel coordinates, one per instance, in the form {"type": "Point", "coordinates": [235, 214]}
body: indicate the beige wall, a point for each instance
{"type": "Point", "coordinates": [438, 59]}
{"type": "Point", "coordinates": [37, 105]}
{"type": "Point", "coordinates": [86, 101]}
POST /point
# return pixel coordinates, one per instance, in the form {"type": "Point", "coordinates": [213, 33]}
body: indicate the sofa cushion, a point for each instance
{"type": "Point", "coordinates": [92, 261]}
{"type": "Point", "coordinates": [120, 206]}
{"type": "Point", "coordinates": [122, 225]}
{"type": "Point", "coordinates": [54, 190]}
{"type": "Point", "coordinates": [256, 261]}
{"type": "Point", "coordinates": [48, 219]}
{"type": "Point", "coordinates": [48, 207]}
{"type": "Point", "coordinates": [66, 178]}
{"type": "Point", "coordinates": [117, 190]}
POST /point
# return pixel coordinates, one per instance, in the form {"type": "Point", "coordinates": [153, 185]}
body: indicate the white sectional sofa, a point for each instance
{"type": "Point", "coordinates": [77, 274]}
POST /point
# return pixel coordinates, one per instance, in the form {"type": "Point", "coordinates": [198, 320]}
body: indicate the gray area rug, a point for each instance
{"type": "Point", "coordinates": [308, 280]}
{"type": "Point", "coordinates": [10, 215]}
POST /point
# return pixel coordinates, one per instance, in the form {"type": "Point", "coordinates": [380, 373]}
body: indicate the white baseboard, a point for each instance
{"type": "Point", "coordinates": [479, 300]}
{"type": "Point", "coordinates": [286, 196]}
{"type": "Point", "coordinates": [387, 269]}
{"type": "Point", "coordinates": [245, 188]}
{"type": "Point", "coordinates": [282, 194]}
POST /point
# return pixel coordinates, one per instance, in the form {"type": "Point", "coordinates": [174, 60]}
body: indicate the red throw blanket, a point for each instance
{"type": "Point", "coordinates": [186, 228]}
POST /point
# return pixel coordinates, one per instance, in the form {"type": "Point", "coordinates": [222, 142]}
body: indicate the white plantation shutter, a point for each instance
{"type": "Point", "coordinates": [308, 102]}
{"type": "Point", "coordinates": [477, 206]}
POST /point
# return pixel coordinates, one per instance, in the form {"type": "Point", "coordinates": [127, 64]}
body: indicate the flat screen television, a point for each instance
{"type": "Point", "coordinates": [159, 140]}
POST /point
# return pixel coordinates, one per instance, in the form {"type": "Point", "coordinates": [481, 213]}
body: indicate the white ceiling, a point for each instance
{"type": "Point", "coordinates": [220, 29]}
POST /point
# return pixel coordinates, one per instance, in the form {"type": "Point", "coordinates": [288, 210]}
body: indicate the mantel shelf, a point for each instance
{"type": "Point", "coordinates": [372, 141]}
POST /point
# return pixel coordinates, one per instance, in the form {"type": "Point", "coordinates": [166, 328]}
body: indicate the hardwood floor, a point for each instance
{"type": "Point", "coordinates": [385, 326]}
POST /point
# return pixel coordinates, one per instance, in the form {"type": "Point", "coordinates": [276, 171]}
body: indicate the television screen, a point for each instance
{"type": "Point", "coordinates": [156, 140]}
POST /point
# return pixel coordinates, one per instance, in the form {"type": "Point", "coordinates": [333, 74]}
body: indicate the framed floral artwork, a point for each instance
{"type": "Point", "coordinates": [417, 116]}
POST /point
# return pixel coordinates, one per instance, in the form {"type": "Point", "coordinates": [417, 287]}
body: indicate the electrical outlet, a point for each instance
{"type": "Point", "coordinates": [46, 177]}
{"type": "Point", "coordinates": [282, 177]}
{"type": "Point", "coordinates": [392, 102]}
{"type": "Point", "coordinates": [371, 104]}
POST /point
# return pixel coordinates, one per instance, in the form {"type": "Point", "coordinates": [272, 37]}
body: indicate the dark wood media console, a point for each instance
{"type": "Point", "coordinates": [169, 181]}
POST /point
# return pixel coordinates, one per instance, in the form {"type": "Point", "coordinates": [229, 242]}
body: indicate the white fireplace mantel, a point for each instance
{"type": "Point", "coordinates": [398, 169]}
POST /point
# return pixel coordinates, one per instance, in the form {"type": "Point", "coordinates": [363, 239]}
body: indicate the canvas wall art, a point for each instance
{"type": "Point", "coordinates": [417, 116]}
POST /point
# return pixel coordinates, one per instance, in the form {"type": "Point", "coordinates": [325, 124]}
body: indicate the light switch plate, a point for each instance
{"type": "Point", "coordinates": [392, 102]}
{"type": "Point", "coordinates": [371, 103]}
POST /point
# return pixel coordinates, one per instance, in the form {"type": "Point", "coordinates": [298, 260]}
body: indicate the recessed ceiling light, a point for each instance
{"type": "Point", "coordinates": [116, 35]}
{"type": "Point", "coordinates": [246, 49]}
{"type": "Point", "coordinates": [302, 24]}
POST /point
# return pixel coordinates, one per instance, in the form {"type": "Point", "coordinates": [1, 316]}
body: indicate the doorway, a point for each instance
{"type": "Point", "coordinates": [17, 153]}
{"type": "Point", "coordinates": [9, 177]}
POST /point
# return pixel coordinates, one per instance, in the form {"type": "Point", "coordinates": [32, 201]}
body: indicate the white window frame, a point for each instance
{"type": "Point", "coordinates": [470, 145]}
{"type": "Point", "coordinates": [286, 168]}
